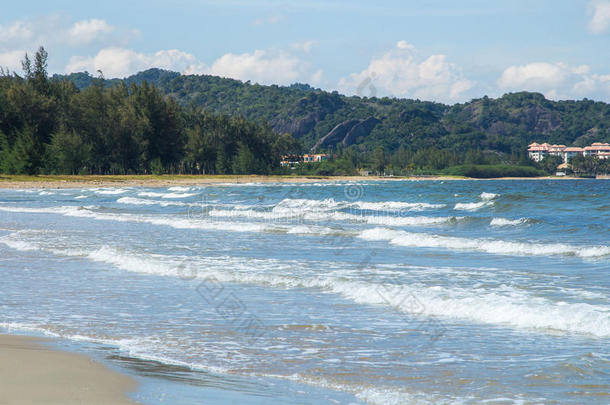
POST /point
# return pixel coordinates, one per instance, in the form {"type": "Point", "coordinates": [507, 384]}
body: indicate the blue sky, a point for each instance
{"type": "Point", "coordinates": [447, 51]}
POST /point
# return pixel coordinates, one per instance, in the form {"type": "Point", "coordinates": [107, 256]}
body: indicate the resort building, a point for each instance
{"type": "Point", "coordinates": [601, 150]}
{"type": "Point", "coordinates": [537, 151]}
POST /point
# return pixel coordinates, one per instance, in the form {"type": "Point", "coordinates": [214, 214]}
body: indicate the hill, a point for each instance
{"type": "Point", "coordinates": [324, 120]}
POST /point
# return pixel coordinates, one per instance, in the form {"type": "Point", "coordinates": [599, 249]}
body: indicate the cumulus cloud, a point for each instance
{"type": "Point", "coordinates": [532, 75]}
{"type": "Point", "coordinates": [599, 10]}
{"type": "Point", "coordinates": [260, 66]}
{"type": "Point", "coordinates": [401, 73]}
{"type": "Point", "coordinates": [84, 32]}
{"type": "Point", "coordinates": [121, 62]}
{"type": "Point", "coordinates": [11, 60]}
{"type": "Point", "coordinates": [18, 30]}
{"type": "Point", "coordinates": [556, 80]}
{"type": "Point", "coordinates": [264, 67]}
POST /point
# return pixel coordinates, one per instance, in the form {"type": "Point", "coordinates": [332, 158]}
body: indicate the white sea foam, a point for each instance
{"type": "Point", "coordinates": [179, 188]}
{"type": "Point", "coordinates": [507, 222]}
{"type": "Point", "coordinates": [488, 196]}
{"type": "Point", "coordinates": [475, 206]}
{"type": "Point", "coordinates": [110, 191]}
{"type": "Point", "coordinates": [501, 306]}
{"type": "Point", "coordinates": [46, 193]}
{"type": "Point", "coordinates": [500, 247]}
{"type": "Point", "coordinates": [487, 201]}
{"type": "Point", "coordinates": [165, 195]}
{"type": "Point", "coordinates": [396, 206]}
{"type": "Point", "coordinates": [171, 221]}
{"type": "Point", "coordinates": [142, 201]}
{"type": "Point", "coordinates": [330, 204]}
{"type": "Point", "coordinates": [80, 197]}
{"type": "Point", "coordinates": [282, 215]}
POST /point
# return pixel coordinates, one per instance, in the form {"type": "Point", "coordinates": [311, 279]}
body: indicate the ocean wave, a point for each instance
{"type": "Point", "coordinates": [488, 196]}
{"type": "Point", "coordinates": [475, 206]}
{"type": "Point", "coordinates": [487, 201]}
{"type": "Point", "coordinates": [330, 204]}
{"type": "Point", "coordinates": [165, 195]}
{"type": "Point", "coordinates": [499, 247]}
{"type": "Point", "coordinates": [142, 201]}
{"type": "Point", "coordinates": [282, 215]}
{"type": "Point", "coordinates": [514, 308]}
{"type": "Point", "coordinates": [508, 222]}
{"type": "Point", "coordinates": [110, 191]}
{"type": "Point", "coordinates": [176, 222]}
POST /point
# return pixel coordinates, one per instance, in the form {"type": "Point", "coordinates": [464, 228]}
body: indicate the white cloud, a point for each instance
{"type": "Point", "coordinates": [404, 45]}
{"type": "Point", "coordinates": [18, 30]}
{"type": "Point", "coordinates": [556, 80]}
{"type": "Point", "coordinates": [533, 75]}
{"type": "Point", "coordinates": [12, 60]}
{"type": "Point", "coordinates": [401, 73]}
{"type": "Point", "coordinates": [264, 67]}
{"type": "Point", "coordinates": [599, 10]}
{"type": "Point", "coordinates": [86, 31]}
{"type": "Point", "coordinates": [120, 62]}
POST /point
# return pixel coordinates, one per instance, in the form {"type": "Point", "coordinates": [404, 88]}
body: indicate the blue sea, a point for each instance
{"type": "Point", "coordinates": [358, 292]}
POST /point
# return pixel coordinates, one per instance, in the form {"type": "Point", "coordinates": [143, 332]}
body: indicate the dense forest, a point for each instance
{"type": "Point", "coordinates": [387, 134]}
{"type": "Point", "coordinates": [163, 122]}
{"type": "Point", "coordinates": [51, 126]}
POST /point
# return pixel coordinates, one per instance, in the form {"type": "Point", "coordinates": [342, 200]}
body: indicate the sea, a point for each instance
{"type": "Point", "coordinates": [342, 292]}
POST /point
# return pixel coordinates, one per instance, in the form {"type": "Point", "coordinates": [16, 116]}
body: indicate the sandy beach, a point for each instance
{"type": "Point", "coordinates": [20, 181]}
{"type": "Point", "coordinates": [32, 373]}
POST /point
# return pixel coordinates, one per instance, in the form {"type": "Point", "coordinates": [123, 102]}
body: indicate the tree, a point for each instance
{"type": "Point", "coordinates": [29, 152]}
{"type": "Point", "coordinates": [245, 161]}
{"type": "Point", "coordinates": [68, 152]}
{"type": "Point", "coordinates": [380, 160]}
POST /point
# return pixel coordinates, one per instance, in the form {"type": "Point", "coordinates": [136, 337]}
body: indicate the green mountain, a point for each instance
{"type": "Point", "coordinates": [323, 120]}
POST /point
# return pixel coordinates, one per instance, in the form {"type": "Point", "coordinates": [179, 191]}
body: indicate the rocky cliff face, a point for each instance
{"type": "Point", "coordinates": [347, 132]}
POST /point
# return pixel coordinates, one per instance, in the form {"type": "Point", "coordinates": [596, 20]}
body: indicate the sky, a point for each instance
{"type": "Point", "coordinates": [448, 51]}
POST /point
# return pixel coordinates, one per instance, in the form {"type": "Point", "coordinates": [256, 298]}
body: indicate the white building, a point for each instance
{"type": "Point", "coordinates": [601, 150]}
{"type": "Point", "coordinates": [537, 151]}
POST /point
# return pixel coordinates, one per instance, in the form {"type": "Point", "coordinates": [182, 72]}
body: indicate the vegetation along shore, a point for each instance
{"type": "Point", "coordinates": [160, 122]}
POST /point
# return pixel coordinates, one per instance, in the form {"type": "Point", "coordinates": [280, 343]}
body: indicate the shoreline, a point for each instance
{"type": "Point", "coordinates": [152, 181]}
{"type": "Point", "coordinates": [33, 372]}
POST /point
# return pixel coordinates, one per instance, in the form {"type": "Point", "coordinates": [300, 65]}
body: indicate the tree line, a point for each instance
{"type": "Point", "coordinates": [52, 127]}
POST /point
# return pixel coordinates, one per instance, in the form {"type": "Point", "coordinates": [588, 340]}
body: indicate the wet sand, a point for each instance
{"type": "Point", "coordinates": [32, 373]}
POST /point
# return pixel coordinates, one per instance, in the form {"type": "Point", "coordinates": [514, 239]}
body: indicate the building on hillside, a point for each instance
{"type": "Point", "coordinates": [570, 152]}
{"type": "Point", "coordinates": [598, 149]}
{"type": "Point", "coordinates": [537, 151]}
{"type": "Point", "coordinates": [314, 158]}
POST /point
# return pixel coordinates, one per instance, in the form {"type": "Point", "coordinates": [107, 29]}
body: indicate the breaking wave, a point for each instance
{"type": "Point", "coordinates": [515, 308]}
{"type": "Point", "coordinates": [499, 247]}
